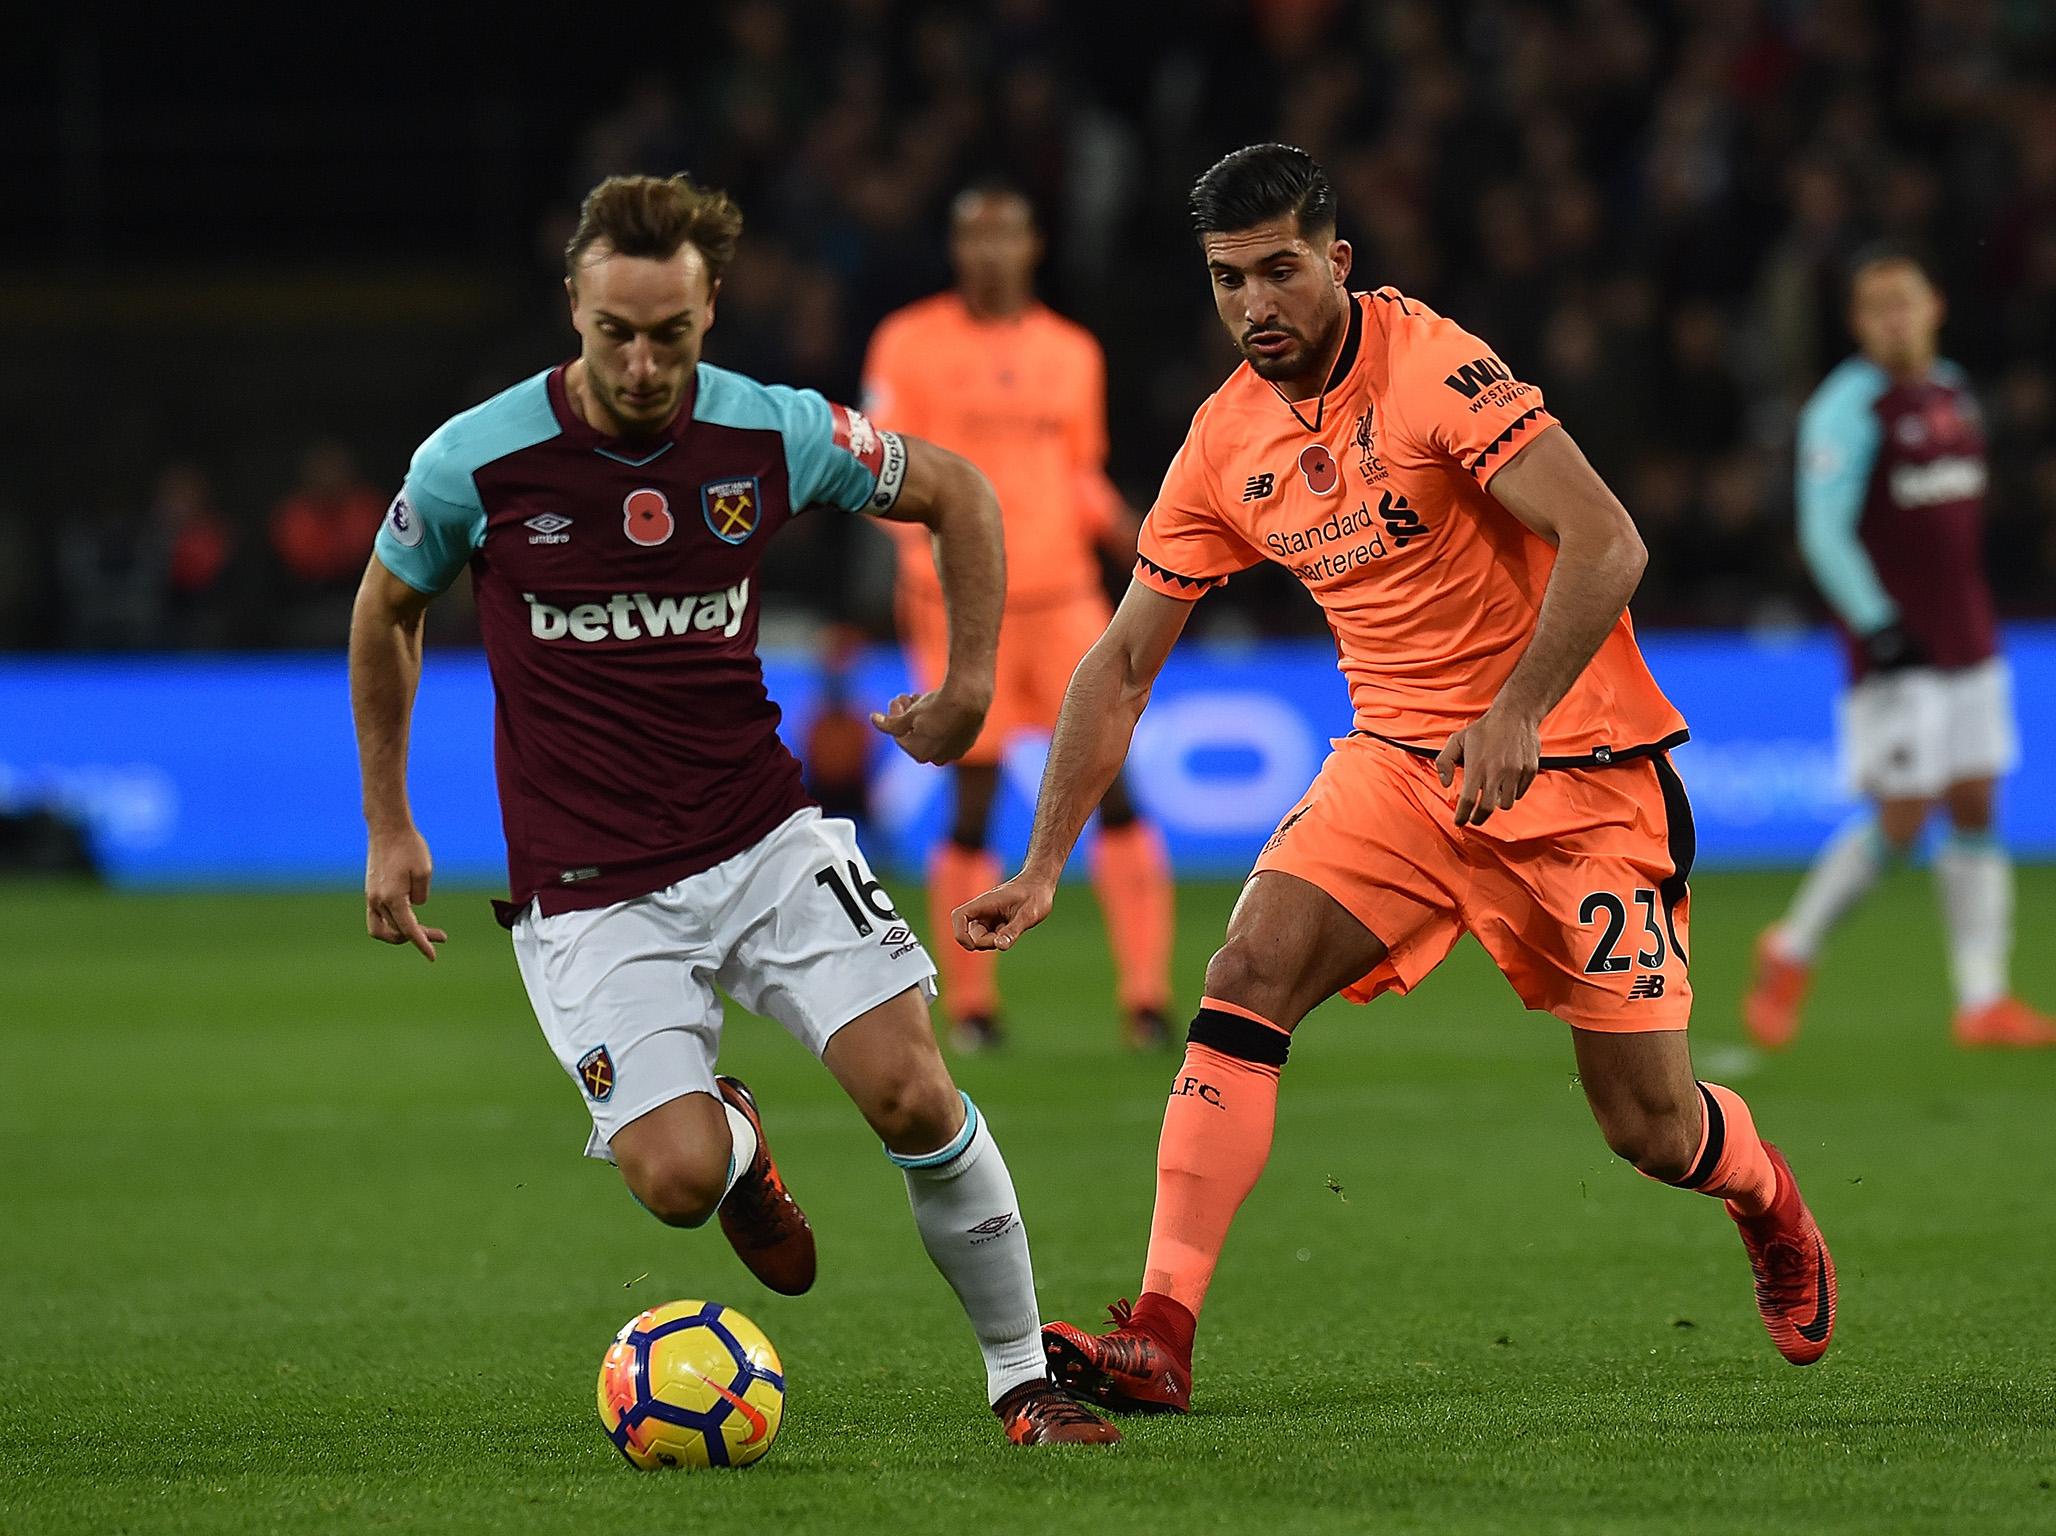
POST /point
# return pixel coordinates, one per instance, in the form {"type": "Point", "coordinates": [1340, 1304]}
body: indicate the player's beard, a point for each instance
{"type": "Point", "coordinates": [1297, 362]}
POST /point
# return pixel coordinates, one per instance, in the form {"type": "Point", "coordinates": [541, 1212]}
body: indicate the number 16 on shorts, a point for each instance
{"type": "Point", "coordinates": [862, 898]}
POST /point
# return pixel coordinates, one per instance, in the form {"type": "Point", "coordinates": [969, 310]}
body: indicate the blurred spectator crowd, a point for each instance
{"type": "Point", "coordinates": [1646, 208]}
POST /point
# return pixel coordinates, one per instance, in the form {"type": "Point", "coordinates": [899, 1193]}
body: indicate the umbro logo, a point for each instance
{"type": "Point", "coordinates": [1645, 988]}
{"type": "Point", "coordinates": [550, 528]}
{"type": "Point", "coordinates": [1257, 487]}
{"type": "Point", "coordinates": [991, 1227]}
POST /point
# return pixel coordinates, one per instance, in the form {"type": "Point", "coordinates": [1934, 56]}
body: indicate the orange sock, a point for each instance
{"type": "Point", "coordinates": [1215, 1142]}
{"type": "Point", "coordinates": [1731, 1163]}
{"type": "Point", "coordinates": [970, 983]}
{"type": "Point", "coordinates": [1131, 875]}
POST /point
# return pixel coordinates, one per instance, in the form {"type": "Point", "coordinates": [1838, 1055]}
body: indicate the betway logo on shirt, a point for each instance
{"type": "Point", "coordinates": [639, 616]}
{"type": "Point", "coordinates": [1939, 481]}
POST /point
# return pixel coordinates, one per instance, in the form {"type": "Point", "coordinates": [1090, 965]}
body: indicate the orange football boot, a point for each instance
{"type": "Point", "coordinates": [1795, 1275]}
{"type": "Point", "coordinates": [2007, 1024]}
{"type": "Point", "coordinates": [1036, 1413]}
{"type": "Point", "coordinates": [761, 1220]}
{"type": "Point", "coordinates": [1137, 1367]}
{"type": "Point", "coordinates": [1771, 1010]}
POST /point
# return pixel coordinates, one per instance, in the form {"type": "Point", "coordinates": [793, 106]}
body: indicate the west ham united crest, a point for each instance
{"type": "Point", "coordinates": [646, 516]}
{"type": "Point", "coordinates": [730, 507]}
{"type": "Point", "coordinates": [596, 1071]}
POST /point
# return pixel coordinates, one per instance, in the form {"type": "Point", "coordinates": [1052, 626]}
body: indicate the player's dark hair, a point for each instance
{"type": "Point", "coordinates": [1884, 254]}
{"type": "Point", "coordinates": [1261, 183]}
{"type": "Point", "coordinates": [652, 216]}
{"type": "Point", "coordinates": [998, 188]}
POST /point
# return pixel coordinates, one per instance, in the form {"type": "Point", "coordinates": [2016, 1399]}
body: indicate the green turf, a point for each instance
{"type": "Point", "coordinates": [294, 1236]}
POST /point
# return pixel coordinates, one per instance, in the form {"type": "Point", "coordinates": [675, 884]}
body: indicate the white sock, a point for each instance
{"type": "Point", "coordinates": [963, 1199]}
{"type": "Point", "coordinates": [1974, 878]}
{"type": "Point", "coordinates": [1843, 871]}
{"type": "Point", "coordinates": [742, 1146]}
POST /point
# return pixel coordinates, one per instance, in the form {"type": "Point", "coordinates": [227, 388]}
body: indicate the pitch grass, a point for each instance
{"type": "Point", "coordinates": [294, 1236]}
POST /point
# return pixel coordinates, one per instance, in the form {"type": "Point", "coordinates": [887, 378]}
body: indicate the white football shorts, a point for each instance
{"type": "Point", "coordinates": [1911, 734]}
{"type": "Point", "coordinates": [795, 928]}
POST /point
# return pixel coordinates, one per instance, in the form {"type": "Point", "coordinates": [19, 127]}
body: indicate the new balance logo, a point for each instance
{"type": "Point", "coordinates": [637, 616]}
{"type": "Point", "coordinates": [1472, 377]}
{"type": "Point", "coordinates": [1645, 988]}
{"type": "Point", "coordinates": [1257, 487]}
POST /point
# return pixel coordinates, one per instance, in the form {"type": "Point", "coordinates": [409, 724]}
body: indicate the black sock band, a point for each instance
{"type": "Point", "coordinates": [1244, 1039]}
{"type": "Point", "coordinates": [1716, 1143]}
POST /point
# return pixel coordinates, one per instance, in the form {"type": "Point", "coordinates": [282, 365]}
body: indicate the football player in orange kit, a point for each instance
{"type": "Point", "coordinates": [990, 373]}
{"type": "Point", "coordinates": [1508, 775]}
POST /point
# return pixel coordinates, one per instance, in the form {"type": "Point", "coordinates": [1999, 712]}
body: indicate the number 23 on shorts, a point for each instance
{"type": "Point", "coordinates": [1608, 913]}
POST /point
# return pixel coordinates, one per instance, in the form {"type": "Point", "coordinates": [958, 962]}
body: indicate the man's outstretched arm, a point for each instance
{"type": "Point", "coordinates": [1107, 695]}
{"type": "Point", "coordinates": [385, 668]}
{"type": "Point", "coordinates": [948, 495]}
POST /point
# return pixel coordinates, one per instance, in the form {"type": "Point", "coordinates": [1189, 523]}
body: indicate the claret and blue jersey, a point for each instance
{"type": "Point", "coordinates": [1891, 508]}
{"type": "Point", "coordinates": [618, 602]}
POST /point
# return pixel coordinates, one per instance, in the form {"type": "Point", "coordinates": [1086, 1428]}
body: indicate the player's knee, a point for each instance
{"type": "Point", "coordinates": [1899, 825]}
{"type": "Point", "coordinates": [1970, 808]}
{"type": "Point", "coordinates": [680, 1192]}
{"type": "Point", "coordinates": [1250, 978]}
{"type": "Point", "coordinates": [1659, 1145]}
{"type": "Point", "coordinates": [919, 1113]}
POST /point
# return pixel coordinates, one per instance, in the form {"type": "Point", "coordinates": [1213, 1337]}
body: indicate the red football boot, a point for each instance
{"type": "Point", "coordinates": [763, 1223]}
{"type": "Point", "coordinates": [1771, 1010]}
{"type": "Point", "coordinates": [1144, 1365]}
{"type": "Point", "coordinates": [2008, 1024]}
{"type": "Point", "coordinates": [1036, 1413]}
{"type": "Point", "coordinates": [1795, 1275]}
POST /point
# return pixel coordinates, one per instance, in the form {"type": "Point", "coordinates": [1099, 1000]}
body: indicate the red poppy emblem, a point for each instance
{"type": "Point", "coordinates": [646, 515]}
{"type": "Point", "coordinates": [1318, 465]}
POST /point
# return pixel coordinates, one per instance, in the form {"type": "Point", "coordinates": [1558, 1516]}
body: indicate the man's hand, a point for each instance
{"type": "Point", "coordinates": [936, 727]}
{"type": "Point", "coordinates": [1004, 913]}
{"type": "Point", "coordinates": [396, 875]}
{"type": "Point", "coordinates": [1500, 754]}
{"type": "Point", "coordinates": [1892, 649]}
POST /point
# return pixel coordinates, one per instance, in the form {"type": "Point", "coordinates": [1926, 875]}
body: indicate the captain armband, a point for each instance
{"type": "Point", "coordinates": [892, 472]}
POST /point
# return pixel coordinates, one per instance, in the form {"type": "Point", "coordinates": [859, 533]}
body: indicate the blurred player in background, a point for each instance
{"type": "Point", "coordinates": [1891, 521]}
{"type": "Point", "coordinates": [990, 373]}
{"type": "Point", "coordinates": [1508, 776]}
{"type": "Point", "coordinates": [613, 512]}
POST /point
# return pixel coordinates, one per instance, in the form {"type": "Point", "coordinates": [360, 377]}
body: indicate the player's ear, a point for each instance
{"type": "Point", "coordinates": [1340, 259]}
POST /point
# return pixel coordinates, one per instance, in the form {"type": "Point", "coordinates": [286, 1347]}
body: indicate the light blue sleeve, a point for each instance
{"type": "Point", "coordinates": [834, 456]}
{"type": "Point", "coordinates": [435, 524]}
{"type": "Point", "coordinates": [1838, 445]}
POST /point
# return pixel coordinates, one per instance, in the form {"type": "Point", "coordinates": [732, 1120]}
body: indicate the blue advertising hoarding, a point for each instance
{"type": "Point", "coordinates": [242, 770]}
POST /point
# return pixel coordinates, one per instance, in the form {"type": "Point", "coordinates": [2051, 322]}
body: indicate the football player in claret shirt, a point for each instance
{"type": "Point", "coordinates": [1891, 502]}
{"type": "Point", "coordinates": [613, 512]}
{"type": "Point", "coordinates": [987, 371]}
{"type": "Point", "coordinates": [1508, 775]}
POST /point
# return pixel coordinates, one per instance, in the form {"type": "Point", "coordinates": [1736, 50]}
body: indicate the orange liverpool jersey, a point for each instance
{"type": "Point", "coordinates": [1430, 586]}
{"type": "Point", "coordinates": [1025, 400]}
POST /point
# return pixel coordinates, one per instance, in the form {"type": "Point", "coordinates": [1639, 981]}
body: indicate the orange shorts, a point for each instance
{"type": "Point", "coordinates": [1578, 893]}
{"type": "Point", "coordinates": [1040, 646]}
